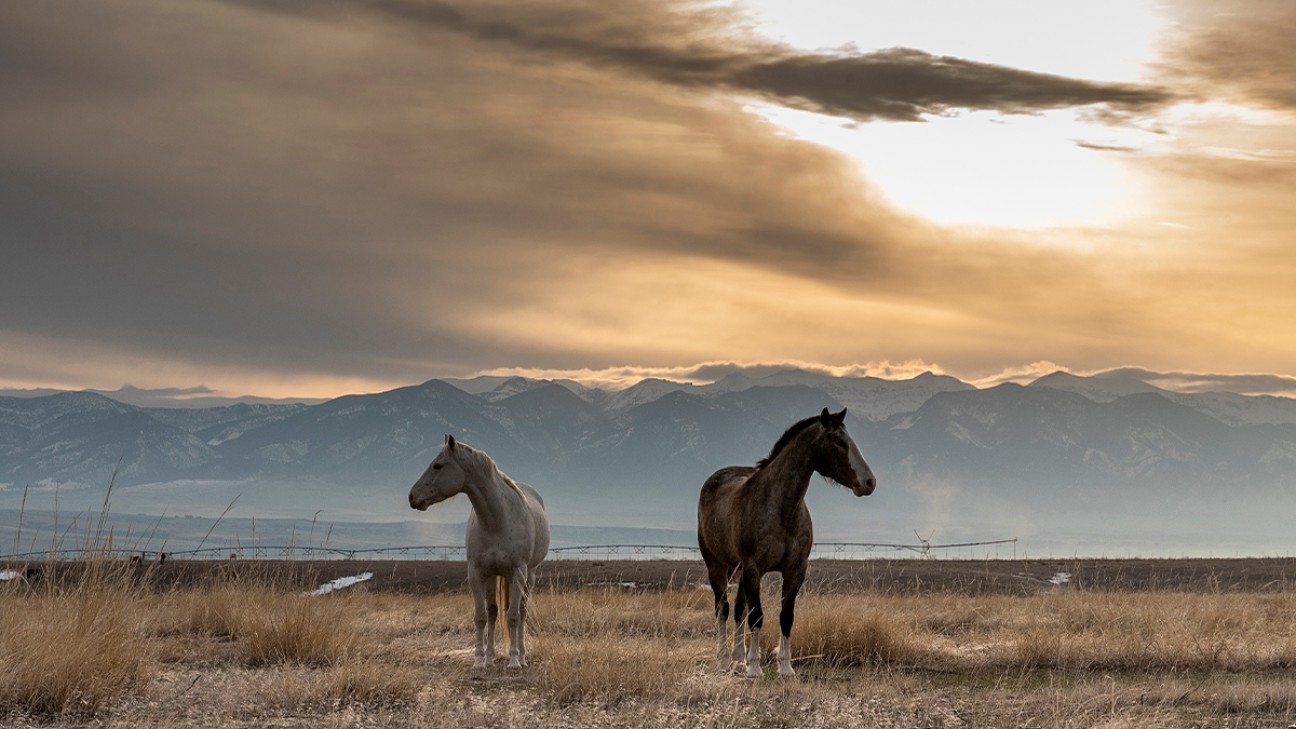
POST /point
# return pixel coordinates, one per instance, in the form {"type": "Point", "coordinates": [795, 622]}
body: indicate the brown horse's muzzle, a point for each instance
{"type": "Point", "coordinates": [865, 487]}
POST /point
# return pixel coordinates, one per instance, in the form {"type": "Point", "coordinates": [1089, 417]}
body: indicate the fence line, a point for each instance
{"type": "Point", "coordinates": [822, 550]}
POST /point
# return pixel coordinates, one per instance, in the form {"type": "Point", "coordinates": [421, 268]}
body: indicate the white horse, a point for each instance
{"type": "Point", "coordinates": [508, 536]}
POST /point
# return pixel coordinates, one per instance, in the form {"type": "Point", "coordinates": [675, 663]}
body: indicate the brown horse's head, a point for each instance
{"type": "Point", "coordinates": [443, 479]}
{"type": "Point", "coordinates": [838, 459]}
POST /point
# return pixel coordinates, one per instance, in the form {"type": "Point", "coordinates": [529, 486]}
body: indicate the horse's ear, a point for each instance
{"type": "Point", "coordinates": [450, 441]}
{"type": "Point", "coordinates": [839, 418]}
{"type": "Point", "coordinates": [825, 418]}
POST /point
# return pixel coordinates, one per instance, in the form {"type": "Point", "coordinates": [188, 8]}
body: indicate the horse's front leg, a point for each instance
{"type": "Point", "coordinates": [517, 594]}
{"type": "Point", "coordinates": [791, 586]}
{"type": "Point", "coordinates": [483, 616]}
{"type": "Point", "coordinates": [750, 585]}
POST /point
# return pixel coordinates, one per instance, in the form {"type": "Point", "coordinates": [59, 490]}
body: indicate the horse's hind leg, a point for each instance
{"type": "Point", "coordinates": [718, 576]}
{"type": "Point", "coordinates": [518, 581]}
{"type": "Point", "coordinates": [483, 616]}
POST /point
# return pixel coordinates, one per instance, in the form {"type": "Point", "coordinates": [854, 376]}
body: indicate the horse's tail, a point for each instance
{"type": "Point", "coordinates": [502, 600]}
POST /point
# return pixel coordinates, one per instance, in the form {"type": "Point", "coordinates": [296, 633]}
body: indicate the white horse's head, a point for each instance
{"type": "Point", "coordinates": [443, 479]}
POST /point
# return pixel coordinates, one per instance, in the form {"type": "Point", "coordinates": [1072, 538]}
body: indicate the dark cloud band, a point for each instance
{"type": "Point", "coordinates": [897, 84]}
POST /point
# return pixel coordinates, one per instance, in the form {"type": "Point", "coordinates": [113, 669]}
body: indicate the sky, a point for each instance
{"type": "Point", "coordinates": [306, 198]}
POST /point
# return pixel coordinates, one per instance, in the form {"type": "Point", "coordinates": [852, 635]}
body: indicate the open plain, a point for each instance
{"type": "Point", "coordinates": [878, 643]}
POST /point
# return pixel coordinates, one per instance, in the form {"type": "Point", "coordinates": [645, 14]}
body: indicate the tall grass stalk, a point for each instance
{"type": "Point", "coordinates": [72, 648]}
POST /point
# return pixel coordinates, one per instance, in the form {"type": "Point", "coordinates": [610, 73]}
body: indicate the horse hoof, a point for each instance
{"type": "Point", "coordinates": [787, 673]}
{"type": "Point", "coordinates": [515, 663]}
{"type": "Point", "coordinates": [480, 664]}
{"type": "Point", "coordinates": [752, 672]}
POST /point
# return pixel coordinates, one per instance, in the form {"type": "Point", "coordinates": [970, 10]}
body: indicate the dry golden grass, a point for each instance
{"type": "Point", "coordinates": [256, 654]}
{"type": "Point", "coordinates": [266, 624]}
{"type": "Point", "coordinates": [841, 631]}
{"type": "Point", "coordinates": [277, 627]}
{"type": "Point", "coordinates": [71, 653]}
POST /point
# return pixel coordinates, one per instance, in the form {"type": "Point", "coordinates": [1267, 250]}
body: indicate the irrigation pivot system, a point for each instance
{"type": "Point", "coordinates": [824, 550]}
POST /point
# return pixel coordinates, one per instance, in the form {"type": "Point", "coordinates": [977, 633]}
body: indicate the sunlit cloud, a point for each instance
{"type": "Point", "coordinates": [982, 169]}
{"type": "Point", "coordinates": [1019, 374]}
{"type": "Point", "coordinates": [708, 372]}
{"type": "Point", "coordinates": [703, 373]}
{"type": "Point", "coordinates": [1234, 50]}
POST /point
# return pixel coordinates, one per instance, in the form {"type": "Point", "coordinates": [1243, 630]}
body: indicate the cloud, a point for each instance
{"type": "Point", "coordinates": [1243, 384]}
{"type": "Point", "coordinates": [1176, 381]}
{"type": "Point", "coordinates": [1019, 374]}
{"type": "Point", "coordinates": [904, 84]}
{"type": "Point", "coordinates": [712, 371]}
{"type": "Point", "coordinates": [1235, 49]}
{"type": "Point", "coordinates": [708, 372]}
{"type": "Point", "coordinates": [1099, 147]}
{"type": "Point", "coordinates": [680, 44]}
{"type": "Point", "coordinates": [161, 397]}
{"type": "Point", "coordinates": [285, 194]}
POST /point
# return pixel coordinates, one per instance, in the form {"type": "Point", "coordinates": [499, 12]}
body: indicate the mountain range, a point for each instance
{"type": "Point", "coordinates": [1093, 465]}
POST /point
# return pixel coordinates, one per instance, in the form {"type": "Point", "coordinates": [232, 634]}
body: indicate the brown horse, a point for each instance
{"type": "Point", "coordinates": [755, 520]}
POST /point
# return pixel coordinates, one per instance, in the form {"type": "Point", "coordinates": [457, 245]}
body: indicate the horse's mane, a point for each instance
{"type": "Point", "coordinates": [786, 438]}
{"type": "Point", "coordinates": [487, 466]}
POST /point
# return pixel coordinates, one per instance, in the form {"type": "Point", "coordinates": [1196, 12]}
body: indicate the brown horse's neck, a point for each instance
{"type": "Point", "coordinates": [786, 479]}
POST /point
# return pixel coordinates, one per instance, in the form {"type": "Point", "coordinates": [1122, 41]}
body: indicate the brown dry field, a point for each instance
{"type": "Point", "coordinates": [1124, 644]}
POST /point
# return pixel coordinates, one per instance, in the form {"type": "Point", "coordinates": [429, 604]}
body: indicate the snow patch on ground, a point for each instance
{"type": "Point", "coordinates": [340, 583]}
{"type": "Point", "coordinates": [1060, 578]}
{"type": "Point", "coordinates": [9, 575]}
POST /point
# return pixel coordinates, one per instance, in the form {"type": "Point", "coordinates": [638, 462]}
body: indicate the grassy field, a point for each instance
{"type": "Point", "coordinates": [112, 648]}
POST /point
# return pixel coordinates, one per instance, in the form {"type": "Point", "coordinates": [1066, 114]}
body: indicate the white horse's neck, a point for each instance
{"type": "Point", "coordinates": [487, 488]}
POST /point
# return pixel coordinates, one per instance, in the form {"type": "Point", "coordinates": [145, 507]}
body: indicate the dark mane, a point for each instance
{"type": "Point", "coordinates": [786, 438]}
